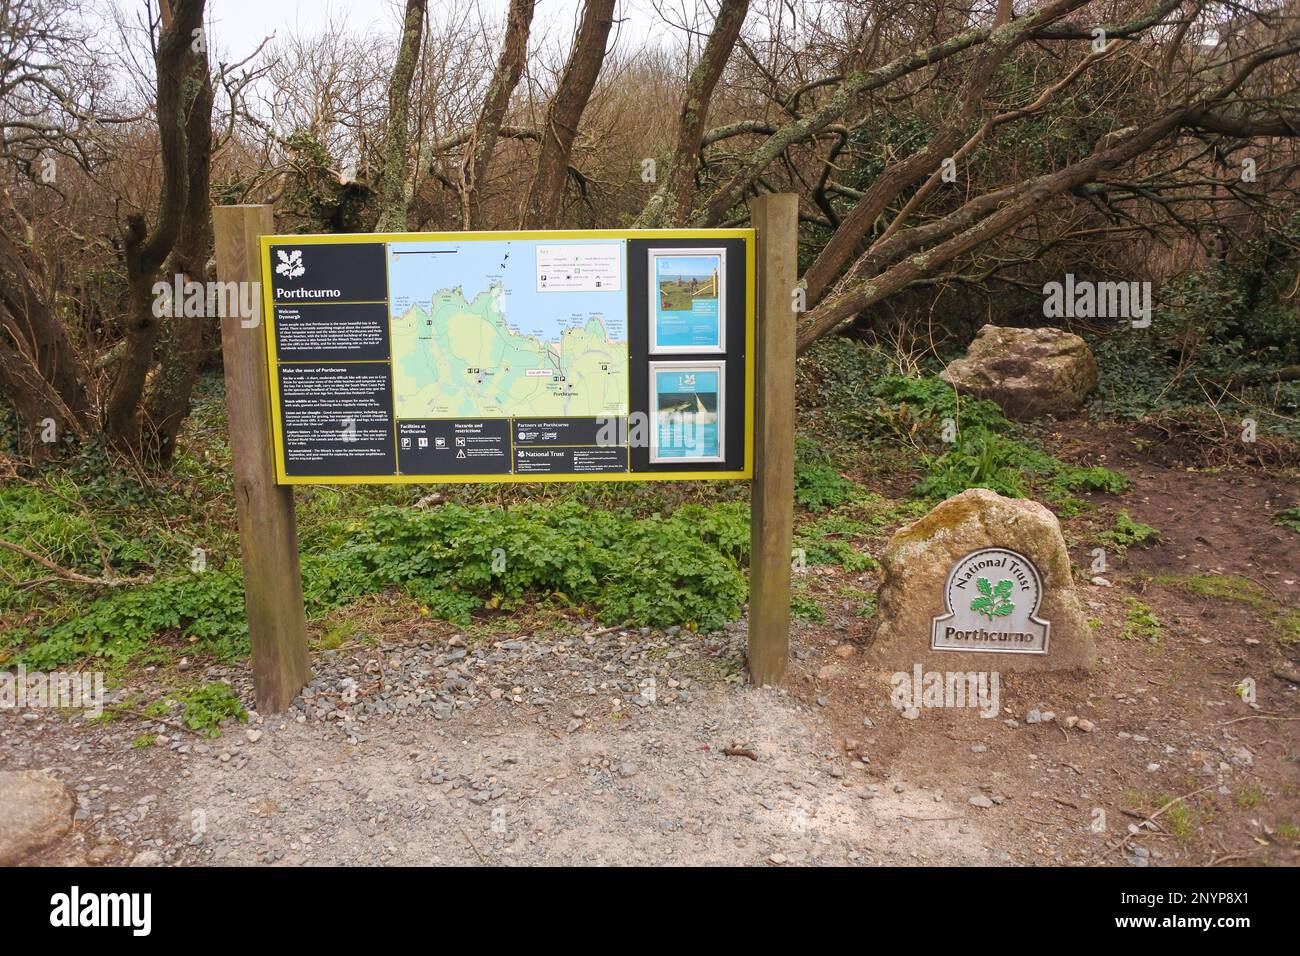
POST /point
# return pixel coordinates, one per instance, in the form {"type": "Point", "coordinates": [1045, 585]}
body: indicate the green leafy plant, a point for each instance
{"type": "Point", "coordinates": [980, 460]}
{"type": "Point", "coordinates": [1289, 518]}
{"type": "Point", "coordinates": [1011, 467]}
{"type": "Point", "coordinates": [925, 403]}
{"type": "Point", "coordinates": [117, 627]}
{"type": "Point", "coordinates": [1140, 623]}
{"type": "Point", "coordinates": [865, 601]}
{"type": "Point", "coordinates": [806, 609]}
{"type": "Point", "coordinates": [818, 485]}
{"type": "Point", "coordinates": [687, 569]}
{"type": "Point", "coordinates": [204, 708]}
{"type": "Point", "coordinates": [1067, 478]}
{"type": "Point", "coordinates": [1224, 330]}
{"type": "Point", "coordinates": [1126, 533]}
{"type": "Point", "coordinates": [830, 540]}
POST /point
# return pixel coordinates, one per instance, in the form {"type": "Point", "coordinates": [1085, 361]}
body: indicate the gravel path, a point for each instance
{"type": "Point", "coordinates": [591, 748]}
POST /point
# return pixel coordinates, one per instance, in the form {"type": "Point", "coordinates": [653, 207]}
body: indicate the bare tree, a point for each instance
{"type": "Point", "coordinates": [147, 249]}
{"type": "Point", "coordinates": [546, 192]}
{"type": "Point", "coordinates": [674, 202]}
{"type": "Point", "coordinates": [933, 147]}
{"type": "Point", "coordinates": [394, 182]}
{"type": "Point", "coordinates": [482, 141]}
{"type": "Point", "coordinates": [182, 349]}
{"type": "Point", "coordinates": [50, 124]}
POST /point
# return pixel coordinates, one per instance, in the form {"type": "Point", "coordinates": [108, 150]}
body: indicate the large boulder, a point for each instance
{"type": "Point", "coordinates": [35, 810]}
{"type": "Point", "coordinates": [1028, 372]}
{"type": "Point", "coordinates": [981, 583]}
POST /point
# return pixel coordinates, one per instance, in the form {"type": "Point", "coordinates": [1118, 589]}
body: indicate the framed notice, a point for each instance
{"type": "Point", "coordinates": [688, 414]}
{"type": "Point", "coordinates": [510, 356]}
{"type": "Point", "coordinates": [687, 300]}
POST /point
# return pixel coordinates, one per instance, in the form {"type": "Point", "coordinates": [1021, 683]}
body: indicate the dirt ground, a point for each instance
{"type": "Point", "coordinates": [644, 747]}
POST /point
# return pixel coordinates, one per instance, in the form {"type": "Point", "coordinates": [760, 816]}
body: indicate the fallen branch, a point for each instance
{"type": "Point", "coordinates": [140, 715]}
{"type": "Point", "coordinates": [63, 574]}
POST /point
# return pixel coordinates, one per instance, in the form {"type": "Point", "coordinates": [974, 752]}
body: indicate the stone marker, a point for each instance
{"type": "Point", "coordinates": [1028, 372]}
{"type": "Point", "coordinates": [35, 810]}
{"type": "Point", "coordinates": [981, 583]}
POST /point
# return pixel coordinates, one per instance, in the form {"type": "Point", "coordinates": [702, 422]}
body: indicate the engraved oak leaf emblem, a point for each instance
{"type": "Point", "coordinates": [290, 263]}
{"type": "Point", "coordinates": [994, 600]}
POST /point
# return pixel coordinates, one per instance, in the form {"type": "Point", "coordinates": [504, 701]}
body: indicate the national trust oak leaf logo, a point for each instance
{"type": "Point", "coordinates": [290, 263]}
{"type": "Point", "coordinates": [994, 601]}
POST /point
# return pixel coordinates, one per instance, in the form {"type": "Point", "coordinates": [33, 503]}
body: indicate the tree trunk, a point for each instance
{"type": "Point", "coordinates": [674, 202]}
{"type": "Point", "coordinates": [185, 341]}
{"type": "Point", "coordinates": [146, 252]}
{"type": "Point", "coordinates": [394, 187]}
{"type": "Point", "coordinates": [983, 225]}
{"type": "Point", "coordinates": [40, 373]}
{"type": "Point", "coordinates": [478, 151]}
{"type": "Point", "coordinates": [843, 246]}
{"type": "Point", "coordinates": [546, 193]}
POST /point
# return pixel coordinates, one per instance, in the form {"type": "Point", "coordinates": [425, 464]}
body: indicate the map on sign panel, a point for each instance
{"type": "Point", "coordinates": [495, 328]}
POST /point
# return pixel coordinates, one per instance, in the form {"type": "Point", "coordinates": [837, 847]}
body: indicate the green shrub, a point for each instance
{"type": "Point", "coordinates": [1288, 518]}
{"type": "Point", "coordinates": [824, 551]}
{"type": "Point", "coordinates": [979, 460]}
{"type": "Point", "coordinates": [204, 709]}
{"type": "Point", "coordinates": [818, 485]}
{"type": "Point", "coordinates": [806, 609]}
{"type": "Point", "coordinates": [828, 541]}
{"type": "Point", "coordinates": [1095, 478]}
{"type": "Point", "coordinates": [117, 627]}
{"type": "Point", "coordinates": [982, 459]}
{"type": "Point", "coordinates": [1140, 623]}
{"type": "Point", "coordinates": [685, 569]}
{"type": "Point", "coordinates": [927, 401]}
{"type": "Point", "coordinates": [1126, 533]}
{"type": "Point", "coordinates": [1220, 331]}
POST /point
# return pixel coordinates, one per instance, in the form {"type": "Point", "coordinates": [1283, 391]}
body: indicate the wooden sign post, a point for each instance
{"type": "Point", "coordinates": [348, 272]}
{"type": "Point", "coordinates": [268, 534]}
{"type": "Point", "coordinates": [776, 227]}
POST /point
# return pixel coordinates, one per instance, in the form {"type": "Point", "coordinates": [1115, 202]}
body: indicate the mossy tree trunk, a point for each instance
{"type": "Point", "coordinates": [394, 181]}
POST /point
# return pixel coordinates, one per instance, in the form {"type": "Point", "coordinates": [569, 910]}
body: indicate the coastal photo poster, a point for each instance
{"type": "Point", "coordinates": [686, 402]}
{"type": "Point", "coordinates": [687, 300]}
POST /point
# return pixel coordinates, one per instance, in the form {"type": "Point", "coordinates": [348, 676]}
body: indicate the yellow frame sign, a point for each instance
{"type": "Point", "coordinates": [621, 235]}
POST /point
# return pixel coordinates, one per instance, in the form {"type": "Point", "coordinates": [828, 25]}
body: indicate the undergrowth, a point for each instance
{"type": "Point", "coordinates": [1126, 533]}
{"type": "Point", "coordinates": [1140, 623]}
{"type": "Point", "coordinates": [955, 441]}
{"type": "Point", "coordinates": [455, 560]}
{"type": "Point", "coordinates": [1219, 337]}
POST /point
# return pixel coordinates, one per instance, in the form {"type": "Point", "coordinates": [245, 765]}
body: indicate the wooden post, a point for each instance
{"type": "Point", "coordinates": [268, 533]}
{"type": "Point", "coordinates": [776, 226]}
